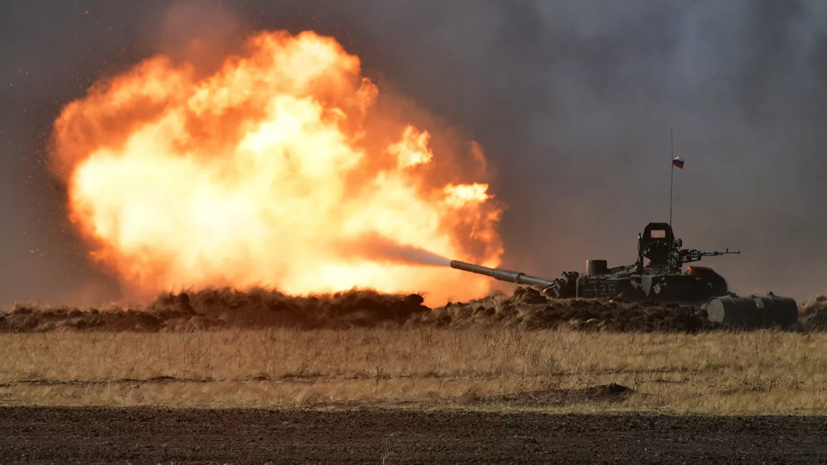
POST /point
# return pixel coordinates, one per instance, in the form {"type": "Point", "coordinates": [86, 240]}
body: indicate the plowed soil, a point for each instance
{"type": "Point", "coordinates": [141, 435]}
{"type": "Point", "coordinates": [528, 309]}
{"type": "Point", "coordinates": [257, 309]}
{"type": "Point", "coordinates": [262, 308]}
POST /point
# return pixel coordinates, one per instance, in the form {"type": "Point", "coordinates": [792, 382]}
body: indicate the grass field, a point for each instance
{"type": "Point", "coordinates": [716, 373]}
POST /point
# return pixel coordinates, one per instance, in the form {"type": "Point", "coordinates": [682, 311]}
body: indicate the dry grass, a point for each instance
{"type": "Point", "coordinates": [721, 373]}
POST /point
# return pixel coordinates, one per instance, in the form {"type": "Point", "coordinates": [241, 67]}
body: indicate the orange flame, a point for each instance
{"type": "Point", "coordinates": [273, 171]}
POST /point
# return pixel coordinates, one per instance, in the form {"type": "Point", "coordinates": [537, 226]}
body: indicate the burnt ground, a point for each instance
{"type": "Point", "coordinates": [151, 435]}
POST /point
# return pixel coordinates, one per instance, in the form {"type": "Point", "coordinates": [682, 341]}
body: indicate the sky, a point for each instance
{"type": "Point", "coordinates": [572, 101]}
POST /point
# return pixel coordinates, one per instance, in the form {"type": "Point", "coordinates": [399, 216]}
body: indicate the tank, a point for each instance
{"type": "Point", "coordinates": [658, 274]}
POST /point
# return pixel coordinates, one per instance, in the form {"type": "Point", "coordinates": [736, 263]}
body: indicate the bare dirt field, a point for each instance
{"type": "Point", "coordinates": [379, 436]}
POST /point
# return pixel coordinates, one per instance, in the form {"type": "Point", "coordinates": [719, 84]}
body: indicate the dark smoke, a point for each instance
{"type": "Point", "coordinates": [572, 101]}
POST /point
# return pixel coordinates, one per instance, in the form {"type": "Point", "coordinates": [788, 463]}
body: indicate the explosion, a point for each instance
{"type": "Point", "coordinates": [279, 169]}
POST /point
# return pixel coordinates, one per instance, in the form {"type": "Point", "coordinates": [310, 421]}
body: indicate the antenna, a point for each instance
{"type": "Point", "coordinates": [671, 173]}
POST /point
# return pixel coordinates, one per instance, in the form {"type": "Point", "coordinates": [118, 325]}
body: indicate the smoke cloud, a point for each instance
{"type": "Point", "coordinates": [571, 101]}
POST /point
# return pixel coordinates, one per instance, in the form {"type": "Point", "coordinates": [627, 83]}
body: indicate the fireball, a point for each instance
{"type": "Point", "coordinates": [278, 170]}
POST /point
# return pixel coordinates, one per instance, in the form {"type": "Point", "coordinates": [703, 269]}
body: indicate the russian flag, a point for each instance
{"type": "Point", "coordinates": [678, 161]}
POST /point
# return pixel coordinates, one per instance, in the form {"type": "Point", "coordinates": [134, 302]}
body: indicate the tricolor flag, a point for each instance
{"type": "Point", "coordinates": [678, 161]}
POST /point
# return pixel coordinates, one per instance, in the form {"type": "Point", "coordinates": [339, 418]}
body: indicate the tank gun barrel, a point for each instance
{"type": "Point", "coordinates": [502, 275]}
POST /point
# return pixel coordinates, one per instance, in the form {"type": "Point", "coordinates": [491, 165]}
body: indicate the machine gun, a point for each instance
{"type": "Point", "coordinates": [694, 255]}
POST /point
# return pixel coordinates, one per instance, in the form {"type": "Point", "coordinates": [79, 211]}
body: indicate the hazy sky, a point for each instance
{"type": "Point", "coordinates": [572, 101]}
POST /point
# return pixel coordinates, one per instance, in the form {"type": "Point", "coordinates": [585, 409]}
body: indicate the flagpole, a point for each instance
{"type": "Point", "coordinates": [671, 173]}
